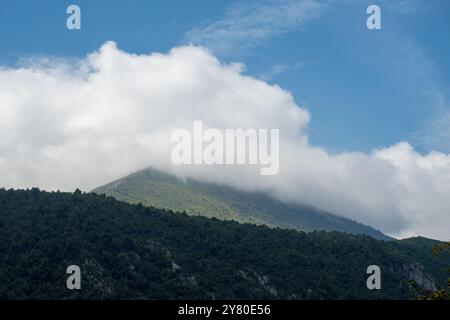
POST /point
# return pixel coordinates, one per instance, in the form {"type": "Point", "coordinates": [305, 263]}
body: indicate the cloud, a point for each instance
{"type": "Point", "coordinates": [278, 69]}
{"type": "Point", "coordinates": [274, 71]}
{"type": "Point", "coordinates": [435, 134]}
{"type": "Point", "coordinates": [435, 131]}
{"type": "Point", "coordinates": [80, 125]}
{"type": "Point", "coordinates": [246, 26]}
{"type": "Point", "coordinates": [405, 6]}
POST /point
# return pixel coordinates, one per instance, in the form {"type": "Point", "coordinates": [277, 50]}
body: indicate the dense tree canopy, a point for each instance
{"type": "Point", "coordinates": [132, 252]}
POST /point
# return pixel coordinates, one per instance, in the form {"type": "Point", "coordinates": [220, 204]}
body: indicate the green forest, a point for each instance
{"type": "Point", "coordinates": [161, 190]}
{"type": "Point", "coordinates": [130, 251]}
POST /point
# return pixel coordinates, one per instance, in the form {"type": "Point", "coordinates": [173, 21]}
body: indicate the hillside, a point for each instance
{"type": "Point", "coordinates": [135, 252]}
{"type": "Point", "coordinates": [160, 190]}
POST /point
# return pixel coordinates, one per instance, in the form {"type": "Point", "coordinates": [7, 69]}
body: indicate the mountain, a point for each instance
{"type": "Point", "coordinates": [129, 251]}
{"type": "Point", "coordinates": [160, 190]}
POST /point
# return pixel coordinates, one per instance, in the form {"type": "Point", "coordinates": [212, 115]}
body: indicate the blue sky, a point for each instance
{"type": "Point", "coordinates": [365, 89]}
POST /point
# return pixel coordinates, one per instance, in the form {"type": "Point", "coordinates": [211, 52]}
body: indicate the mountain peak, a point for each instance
{"type": "Point", "coordinates": [161, 190]}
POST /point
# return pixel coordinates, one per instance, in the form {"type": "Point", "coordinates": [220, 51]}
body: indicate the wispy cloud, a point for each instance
{"type": "Point", "coordinates": [405, 6]}
{"type": "Point", "coordinates": [274, 71]}
{"type": "Point", "coordinates": [278, 69]}
{"type": "Point", "coordinates": [247, 25]}
{"type": "Point", "coordinates": [435, 134]}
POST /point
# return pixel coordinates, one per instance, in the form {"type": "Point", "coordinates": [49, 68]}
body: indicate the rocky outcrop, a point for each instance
{"type": "Point", "coordinates": [414, 273]}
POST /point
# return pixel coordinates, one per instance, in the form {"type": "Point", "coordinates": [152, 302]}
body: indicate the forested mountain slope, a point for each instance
{"type": "Point", "coordinates": [134, 252]}
{"type": "Point", "coordinates": [160, 190]}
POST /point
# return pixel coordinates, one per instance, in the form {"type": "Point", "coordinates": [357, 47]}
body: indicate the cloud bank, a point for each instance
{"type": "Point", "coordinates": [66, 125]}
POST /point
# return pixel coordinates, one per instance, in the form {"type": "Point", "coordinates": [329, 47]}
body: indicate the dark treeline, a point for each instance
{"type": "Point", "coordinates": [134, 252]}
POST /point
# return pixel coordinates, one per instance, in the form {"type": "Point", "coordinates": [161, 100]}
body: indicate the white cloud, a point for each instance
{"type": "Point", "coordinates": [280, 68]}
{"type": "Point", "coordinates": [69, 125]}
{"type": "Point", "coordinates": [405, 6]}
{"type": "Point", "coordinates": [274, 71]}
{"type": "Point", "coordinates": [249, 24]}
{"type": "Point", "coordinates": [435, 133]}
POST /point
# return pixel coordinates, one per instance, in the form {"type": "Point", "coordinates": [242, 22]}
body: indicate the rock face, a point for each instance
{"type": "Point", "coordinates": [423, 281]}
{"type": "Point", "coordinates": [260, 281]}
